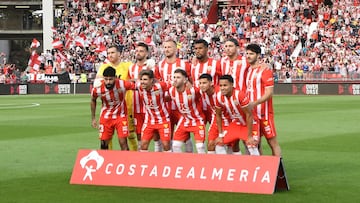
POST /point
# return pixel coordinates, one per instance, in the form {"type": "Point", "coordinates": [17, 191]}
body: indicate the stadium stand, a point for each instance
{"type": "Point", "coordinates": [311, 40]}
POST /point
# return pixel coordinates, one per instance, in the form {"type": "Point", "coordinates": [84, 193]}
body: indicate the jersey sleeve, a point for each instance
{"type": "Point", "coordinates": [188, 68]}
{"type": "Point", "coordinates": [123, 71]}
{"type": "Point", "coordinates": [243, 99]}
{"type": "Point", "coordinates": [165, 86]}
{"type": "Point", "coordinates": [129, 85]}
{"type": "Point", "coordinates": [267, 78]}
{"type": "Point", "coordinates": [94, 92]}
{"type": "Point", "coordinates": [157, 73]}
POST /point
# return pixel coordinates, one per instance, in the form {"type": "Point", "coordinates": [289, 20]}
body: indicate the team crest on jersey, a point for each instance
{"type": "Point", "coordinates": [201, 127]}
{"type": "Point", "coordinates": [166, 125]}
{"type": "Point", "coordinates": [266, 123]}
{"type": "Point", "coordinates": [124, 123]}
{"type": "Point", "coordinates": [209, 68]}
{"type": "Point", "coordinates": [254, 133]}
{"type": "Point", "coordinates": [189, 96]}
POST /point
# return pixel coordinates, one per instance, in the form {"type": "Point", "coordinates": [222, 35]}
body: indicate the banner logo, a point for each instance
{"type": "Point", "coordinates": [224, 173]}
{"type": "Point", "coordinates": [86, 164]}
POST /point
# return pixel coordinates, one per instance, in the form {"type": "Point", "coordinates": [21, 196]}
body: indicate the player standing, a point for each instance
{"type": "Point", "coordinates": [260, 87]}
{"type": "Point", "coordinates": [122, 68]}
{"type": "Point", "coordinates": [204, 64]}
{"type": "Point", "coordinates": [142, 63]}
{"type": "Point", "coordinates": [166, 69]}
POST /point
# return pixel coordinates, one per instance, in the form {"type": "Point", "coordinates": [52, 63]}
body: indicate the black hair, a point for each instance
{"type": "Point", "coordinates": [228, 78]}
{"type": "Point", "coordinates": [202, 41]}
{"type": "Point", "coordinates": [109, 72]}
{"type": "Point", "coordinates": [233, 40]}
{"type": "Point", "coordinates": [142, 44]}
{"type": "Point", "coordinates": [254, 48]}
{"type": "Point", "coordinates": [149, 73]}
{"type": "Point", "coordinates": [206, 76]}
{"type": "Point", "coordinates": [182, 72]}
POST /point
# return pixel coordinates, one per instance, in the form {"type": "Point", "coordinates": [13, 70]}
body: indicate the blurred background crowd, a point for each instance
{"type": "Point", "coordinates": [314, 40]}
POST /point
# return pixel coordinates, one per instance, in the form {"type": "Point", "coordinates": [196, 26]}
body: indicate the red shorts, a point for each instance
{"type": "Point", "coordinates": [149, 130]}
{"type": "Point", "coordinates": [236, 132]}
{"type": "Point", "coordinates": [267, 127]}
{"type": "Point", "coordinates": [107, 127]}
{"type": "Point", "coordinates": [182, 133]}
{"type": "Point", "coordinates": [139, 121]}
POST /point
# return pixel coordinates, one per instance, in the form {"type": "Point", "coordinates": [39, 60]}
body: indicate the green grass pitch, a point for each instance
{"type": "Point", "coordinates": [319, 136]}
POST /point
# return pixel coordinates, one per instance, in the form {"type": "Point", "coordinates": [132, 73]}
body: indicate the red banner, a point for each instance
{"type": "Point", "coordinates": [225, 173]}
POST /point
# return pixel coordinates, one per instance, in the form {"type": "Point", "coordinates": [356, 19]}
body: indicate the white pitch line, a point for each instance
{"type": "Point", "coordinates": [18, 106]}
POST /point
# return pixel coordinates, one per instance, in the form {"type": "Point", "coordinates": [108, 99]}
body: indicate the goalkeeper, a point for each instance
{"type": "Point", "coordinates": [122, 69]}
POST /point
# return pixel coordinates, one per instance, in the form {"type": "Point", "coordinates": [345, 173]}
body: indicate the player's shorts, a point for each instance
{"type": "Point", "coordinates": [235, 132]}
{"type": "Point", "coordinates": [182, 132]}
{"type": "Point", "coordinates": [138, 122]}
{"type": "Point", "coordinates": [149, 130]}
{"type": "Point", "coordinates": [267, 127]}
{"type": "Point", "coordinates": [107, 127]}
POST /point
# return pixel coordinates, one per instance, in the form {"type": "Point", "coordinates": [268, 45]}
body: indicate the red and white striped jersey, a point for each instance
{"type": "Point", "coordinates": [134, 71]}
{"type": "Point", "coordinates": [166, 70]}
{"type": "Point", "coordinates": [154, 102]}
{"type": "Point", "coordinates": [237, 69]}
{"type": "Point", "coordinates": [113, 100]}
{"type": "Point", "coordinates": [234, 104]}
{"type": "Point", "coordinates": [211, 67]}
{"type": "Point", "coordinates": [257, 80]}
{"type": "Point", "coordinates": [189, 104]}
{"type": "Point", "coordinates": [211, 102]}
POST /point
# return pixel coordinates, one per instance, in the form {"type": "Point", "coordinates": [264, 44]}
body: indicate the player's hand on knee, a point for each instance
{"type": "Point", "coordinates": [219, 141]}
{"type": "Point", "coordinates": [252, 142]}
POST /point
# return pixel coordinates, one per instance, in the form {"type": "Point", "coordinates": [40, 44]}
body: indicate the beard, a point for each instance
{"type": "Point", "coordinates": [109, 86]}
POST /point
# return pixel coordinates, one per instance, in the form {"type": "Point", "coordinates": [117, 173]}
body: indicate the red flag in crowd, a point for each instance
{"type": "Point", "coordinates": [104, 21]}
{"type": "Point", "coordinates": [34, 61]}
{"type": "Point", "coordinates": [137, 16]}
{"type": "Point", "coordinates": [149, 41]}
{"type": "Point", "coordinates": [34, 44]}
{"type": "Point", "coordinates": [57, 44]}
{"type": "Point", "coordinates": [101, 49]}
{"type": "Point", "coordinates": [79, 41]}
{"type": "Point", "coordinates": [62, 56]}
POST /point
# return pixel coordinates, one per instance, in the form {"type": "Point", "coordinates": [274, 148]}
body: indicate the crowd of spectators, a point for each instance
{"type": "Point", "coordinates": [301, 39]}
